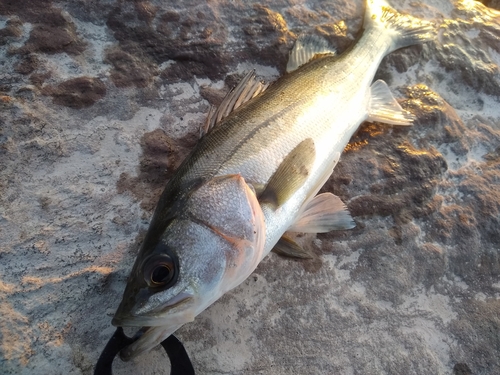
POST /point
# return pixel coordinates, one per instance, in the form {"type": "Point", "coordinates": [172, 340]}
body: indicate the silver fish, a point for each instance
{"type": "Point", "coordinates": [256, 174]}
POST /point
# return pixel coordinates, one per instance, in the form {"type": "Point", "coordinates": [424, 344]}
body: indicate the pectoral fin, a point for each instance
{"type": "Point", "coordinates": [384, 108]}
{"type": "Point", "coordinates": [289, 248]}
{"type": "Point", "coordinates": [325, 212]}
{"type": "Point", "coordinates": [290, 175]}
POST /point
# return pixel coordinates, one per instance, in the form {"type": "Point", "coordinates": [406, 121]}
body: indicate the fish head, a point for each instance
{"type": "Point", "coordinates": [212, 246]}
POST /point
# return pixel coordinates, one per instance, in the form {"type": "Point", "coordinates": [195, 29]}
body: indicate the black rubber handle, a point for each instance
{"type": "Point", "coordinates": [179, 359]}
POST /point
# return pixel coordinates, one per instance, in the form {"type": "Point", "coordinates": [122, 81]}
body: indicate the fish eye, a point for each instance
{"type": "Point", "coordinates": [159, 270]}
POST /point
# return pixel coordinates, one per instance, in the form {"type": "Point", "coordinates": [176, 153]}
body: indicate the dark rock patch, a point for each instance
{"type": "Point", "coordinates": [78, 92]}
{"type": "Point", "coordinates": [27, 65]}
{"type": "Point", "coordinates": [129, 70]}
{"type": "Point", "coordinates": [406, 187]}
{"type": "Point", "coordinates": [192, 39]}
{"type": "Point", "coordinates": [39, 78]}
{"type": "Point", "coordinates": [461, 369]}
{"type": "Point", "coordinates": [11, 31]}
{"type": "Point", "coordinates": [53, 39]}
{"type": "Point", "coordinates": [477, 330]}
{"type": "Point", "coordinates": [495, 4]}
{"type": "Point", "coordinates": [336, 34]}
{"type": "Point", "coordinates": [457, 55]}
{"type": "Point", "coordinates": [267, 38]}
{"type": "Point", "coordinates": [52, 32]}
{"type": "Point", "coordinates": [161, 156]}
{"type": "Point", "coordinates": [33, 11]}
{"type": "Point", "coordinates": [213, 96]}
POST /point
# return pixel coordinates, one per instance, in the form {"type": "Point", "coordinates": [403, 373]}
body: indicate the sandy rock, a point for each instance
{"type": "Point", "coordinates": [101, 101]}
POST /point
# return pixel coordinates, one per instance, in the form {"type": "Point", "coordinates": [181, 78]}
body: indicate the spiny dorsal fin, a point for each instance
{"type": "Point", "coordinates": [248, 88]}
{"type": "Point", "coordinates": [289, 248]}
{"type": "Point", "coordinates": [384, 108]}
{"type": "Point", "coordinates": [290, 175]}
{"type": "Point", "coordinates": [306, 47]}
{"type": "Point", "coordinates": [323, 213]}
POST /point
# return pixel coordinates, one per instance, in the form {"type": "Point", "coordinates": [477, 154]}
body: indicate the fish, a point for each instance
{"type": "Point", "coordinates": [254, 176]}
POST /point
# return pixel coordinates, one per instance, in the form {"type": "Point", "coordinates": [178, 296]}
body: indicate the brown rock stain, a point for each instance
{"type": "Point", "coordinates": [78, 92]}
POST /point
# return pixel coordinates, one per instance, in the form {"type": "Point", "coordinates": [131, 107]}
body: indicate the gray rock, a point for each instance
{"type": "Point", "coordinates": [101, 101]}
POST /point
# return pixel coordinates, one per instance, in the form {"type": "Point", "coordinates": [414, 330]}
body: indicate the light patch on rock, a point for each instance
{"type": "Point", "coordinates": [269, 73]}
{"type": "Point", "coordinates": [437, 305]}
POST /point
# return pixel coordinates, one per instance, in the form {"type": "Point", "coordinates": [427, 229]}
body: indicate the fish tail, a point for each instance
{"type": "Point", "coordinates": [404, 30]}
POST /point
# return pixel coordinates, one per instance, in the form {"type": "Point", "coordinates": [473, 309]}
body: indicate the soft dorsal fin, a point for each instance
{"type": "Point", "coordinates": [289, 248]}
{"type": "Point", "coordinates": [323, 213]}
{"type": "Point", "coordinates": [290, 175]}
{"type": "Point", "coordinates": [248, 88]}
{"type": "Point", "coordinates": [306, 47]}
{"type": "Point", "coordinates": [384, 108]}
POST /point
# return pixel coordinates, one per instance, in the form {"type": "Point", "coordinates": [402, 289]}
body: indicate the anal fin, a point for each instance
{"type": "Point", "coordinates": [290, 175]}
{"type": "Point", "coordinates": [384, 108]}
{"type": "Point", "coordinates": [323, 213]}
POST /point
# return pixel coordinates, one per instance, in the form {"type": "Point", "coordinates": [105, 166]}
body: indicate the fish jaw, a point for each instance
{"type": "Point", "coordinates": [153, 335]}
{"type": "Point", "coordinates": [214, 244]}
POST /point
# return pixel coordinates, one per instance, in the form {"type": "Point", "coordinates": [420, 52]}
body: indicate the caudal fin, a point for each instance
{"type": "Point", "coordinates": [404, 30]}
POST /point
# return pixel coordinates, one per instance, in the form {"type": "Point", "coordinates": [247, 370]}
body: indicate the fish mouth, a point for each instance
{"type": "Point", "coordinates": [155, 328]}
{"type": "Point", "coordinates": [153, 332]}
{"type": "Point", "coordinates": [128, 319]}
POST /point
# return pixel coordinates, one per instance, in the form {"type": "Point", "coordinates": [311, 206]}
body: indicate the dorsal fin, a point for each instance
{"type": "Point", "coordinates": [248, 88]}
{"type": "Point", "coordinates": [306, 47]}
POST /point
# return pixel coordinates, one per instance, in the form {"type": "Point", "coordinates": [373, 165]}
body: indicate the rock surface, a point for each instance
{"type": "Point", "coordinates": [101, 101]}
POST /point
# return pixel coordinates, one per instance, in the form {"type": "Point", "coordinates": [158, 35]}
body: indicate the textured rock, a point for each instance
{"type": "Point", "coordinates": [101, 101]}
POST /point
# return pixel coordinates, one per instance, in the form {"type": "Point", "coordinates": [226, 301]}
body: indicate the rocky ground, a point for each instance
{"type": "Point", "coordinates": [101, 100]}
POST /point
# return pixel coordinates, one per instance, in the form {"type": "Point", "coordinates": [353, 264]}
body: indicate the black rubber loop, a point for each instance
{"type": "Point", "coordinates": [179, 359]}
